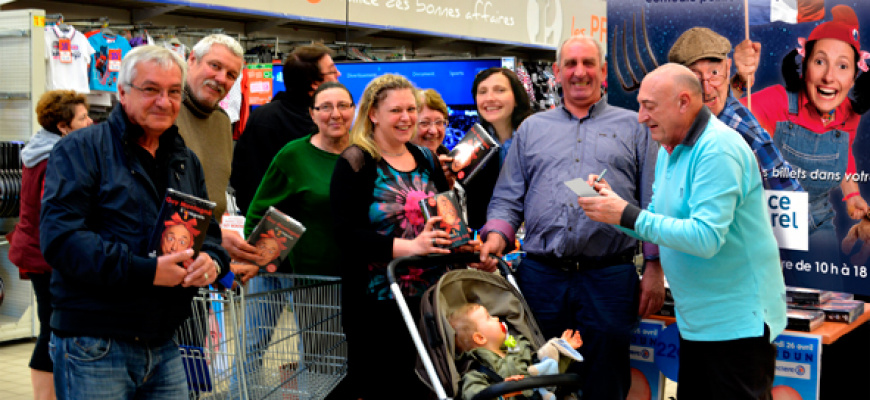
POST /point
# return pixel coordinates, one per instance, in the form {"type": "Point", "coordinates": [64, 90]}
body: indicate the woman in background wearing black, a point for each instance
{"type": "Point", "coordinates": [502, 104]}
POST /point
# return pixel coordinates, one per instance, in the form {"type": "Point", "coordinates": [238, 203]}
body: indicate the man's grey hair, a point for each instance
{"type": "Point", "coordinates": [580, 38]}
{"type": "Point", "coordinates": [162, 56]}
{"type": "Point", "coordinates": [201, 48]}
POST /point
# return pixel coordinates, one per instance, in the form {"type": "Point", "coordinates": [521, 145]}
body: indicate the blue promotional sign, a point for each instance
{"type": "Point", "coordinates": [667, 352]}
{"type": "Point", "coordinates": [798, 361]}
{"type": "Point", "coordinates": [452, 79]}
{"type": "Point", "coordinates": [278, 79]}
{"type": "Point", "coordinates": [798, 358]}
{"type": "Point", "coordinates": [647, 382]}
{"type": "Point", "coordinates": [821, 233]}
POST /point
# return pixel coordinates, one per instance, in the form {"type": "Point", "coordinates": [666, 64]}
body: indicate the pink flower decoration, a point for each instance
{"type": "Point", "coordinates": [412, 207]}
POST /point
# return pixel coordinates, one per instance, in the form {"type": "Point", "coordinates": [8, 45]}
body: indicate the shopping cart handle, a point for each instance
{"type": "Point", "coordinates": [571, 381]}
{"type": "Point", "coordinates": [440, 259]}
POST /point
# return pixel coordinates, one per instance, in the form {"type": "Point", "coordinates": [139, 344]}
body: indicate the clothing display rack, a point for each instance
{"type": "Point", "coordinates": [22, 45]}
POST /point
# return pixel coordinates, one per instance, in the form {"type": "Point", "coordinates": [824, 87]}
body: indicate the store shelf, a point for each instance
{"type": "Point", "coordinates": [18, 310]}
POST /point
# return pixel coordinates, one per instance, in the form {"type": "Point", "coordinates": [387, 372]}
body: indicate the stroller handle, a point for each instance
{"type": "Point", "coordinates": [529, 382]}
{"type": "Point", "coordinates": [441, 259]}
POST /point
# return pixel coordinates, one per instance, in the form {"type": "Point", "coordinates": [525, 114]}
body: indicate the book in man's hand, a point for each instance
{"type": "Point", "coordinates": [181, 224]}
{"type": "Point", "coordinates": [472, 152]}
{"type": "Point", "coordinates": [274, 237]}
{"type": "Point", "coordinates": [446, 206]}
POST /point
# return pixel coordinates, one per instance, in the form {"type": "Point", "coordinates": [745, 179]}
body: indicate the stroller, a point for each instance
{"type": "Point", "coordinates": [437, 365]}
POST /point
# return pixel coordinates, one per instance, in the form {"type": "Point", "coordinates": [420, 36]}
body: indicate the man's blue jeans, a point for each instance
{"type": "Point", "coordinates": [601, 304]}
{"type": "Point", "coordinates": [101, 368]}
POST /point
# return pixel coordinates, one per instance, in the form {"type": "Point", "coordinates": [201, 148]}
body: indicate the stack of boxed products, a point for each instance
{"type": "Point", "coordinates": [809, 308]}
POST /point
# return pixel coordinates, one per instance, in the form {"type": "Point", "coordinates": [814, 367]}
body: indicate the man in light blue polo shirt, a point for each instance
{"type": "Point", "coordinates": [718, 250]}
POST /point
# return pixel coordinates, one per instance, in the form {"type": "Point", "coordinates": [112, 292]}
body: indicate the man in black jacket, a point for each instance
{"type": "Point", "coordinates": [285, 118]}
{"type": "Point", "coordinates": [116, 308]}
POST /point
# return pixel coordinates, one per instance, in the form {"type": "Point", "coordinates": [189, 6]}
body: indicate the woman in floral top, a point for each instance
{"type": "Point", "coordinates": [375, 192]}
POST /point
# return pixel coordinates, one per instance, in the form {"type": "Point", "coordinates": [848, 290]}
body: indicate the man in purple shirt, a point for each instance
{"type": "Point", "coordinates": [579, 274]}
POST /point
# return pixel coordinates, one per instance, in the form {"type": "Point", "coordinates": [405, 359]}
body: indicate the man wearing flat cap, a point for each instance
{"type": "Point", "coordinates": [706, 53]}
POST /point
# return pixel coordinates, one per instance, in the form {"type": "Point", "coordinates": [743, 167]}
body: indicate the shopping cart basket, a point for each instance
{"type": "Point", "coordinates": [278, 337]}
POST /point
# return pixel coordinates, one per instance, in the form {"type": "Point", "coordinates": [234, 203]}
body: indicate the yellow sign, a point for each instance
{"type": "Point", "coordinates": [39, 21]}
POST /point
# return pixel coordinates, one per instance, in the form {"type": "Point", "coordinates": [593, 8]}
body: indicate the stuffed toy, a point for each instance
{"type": "Point", "coordinates": [859, 231]}
{"type": "Point", "coordinates": [549, 365]}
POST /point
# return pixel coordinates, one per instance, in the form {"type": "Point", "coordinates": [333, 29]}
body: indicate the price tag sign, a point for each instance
{"type": "Point", "coordinates": [64, 50]}
{"type": "Point", "coordinates": [114, 60]}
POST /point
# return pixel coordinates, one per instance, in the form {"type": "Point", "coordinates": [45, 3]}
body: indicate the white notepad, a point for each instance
{"type": "Point", "coordinates": [581, 188]}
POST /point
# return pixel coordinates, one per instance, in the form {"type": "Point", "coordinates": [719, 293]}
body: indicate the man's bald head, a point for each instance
{"type": "Point", "coordinates": [676, 77]}
{"type": "Point", "coordinates": [670, 99]}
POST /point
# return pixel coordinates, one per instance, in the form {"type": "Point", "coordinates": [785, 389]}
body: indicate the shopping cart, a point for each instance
{"type": "Point", "coordinates": [278, 337]}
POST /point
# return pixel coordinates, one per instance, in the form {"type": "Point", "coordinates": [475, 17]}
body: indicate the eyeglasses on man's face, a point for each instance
{"type": "Point", "coordinates": [714, 75]}
{"type": "Point", "coordinates": [328, 108]}
{"type": "Point", "coordinates": [151, 92]}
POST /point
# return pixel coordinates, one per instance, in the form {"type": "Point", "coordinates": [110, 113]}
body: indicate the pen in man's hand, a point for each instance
{"type": "Point", "coordinates": [601, 175]}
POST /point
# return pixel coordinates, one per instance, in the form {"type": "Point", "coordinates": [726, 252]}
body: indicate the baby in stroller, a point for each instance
{"type": "Point", "coordinates": [499, 356]}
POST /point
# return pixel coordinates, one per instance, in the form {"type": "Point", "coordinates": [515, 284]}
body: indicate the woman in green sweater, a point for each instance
{"type": "Point", "coordinates": [297, 183]}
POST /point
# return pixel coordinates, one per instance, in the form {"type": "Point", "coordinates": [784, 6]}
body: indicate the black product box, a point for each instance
{"type": "Point", "coordinates": [843, 310]}
{"type": "Point", "coordinates": [804, 320]}
{"type": "Point", "coordinates": [836, 310]}
{"type": "Point", "coordinates": [667, 309]}
{"type": "Point", "coordinates": [842, 296]}
{"type": "Point", "coordinates": [798, 295]}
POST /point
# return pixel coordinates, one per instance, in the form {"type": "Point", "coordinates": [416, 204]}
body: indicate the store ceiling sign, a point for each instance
{"type": "Point", "coordinates": [543, 23]}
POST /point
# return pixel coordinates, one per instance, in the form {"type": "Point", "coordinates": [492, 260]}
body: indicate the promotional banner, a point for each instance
{"type": "Point", "coordinates": [823, 231]}
{"type": "Point", "coordinates": [259, 83]}
{"type": "Point", "coordinates": [798, 358]}
{"type": "Point", "coordinates": [538, 23]}
{"type": "Point", "coordinates": [647, 382]}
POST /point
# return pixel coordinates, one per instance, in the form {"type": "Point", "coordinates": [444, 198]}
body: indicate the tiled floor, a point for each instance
{"type": "Point", "coordinates": [14, 373]}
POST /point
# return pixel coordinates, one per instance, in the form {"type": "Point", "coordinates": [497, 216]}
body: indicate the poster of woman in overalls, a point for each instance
{"type": "Point", "coordinates": [802, 75]}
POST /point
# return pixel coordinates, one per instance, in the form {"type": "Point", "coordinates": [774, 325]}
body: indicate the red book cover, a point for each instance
{"type": "Point", "coordinates": [181, 224]}
{"type": "Point", "coordinates": [446, 205]}
{"type": "Point", "coordinates": [274, 237]}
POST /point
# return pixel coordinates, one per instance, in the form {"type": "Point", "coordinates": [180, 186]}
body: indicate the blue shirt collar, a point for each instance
{"type": "Point", "coordinates": [595, 110]}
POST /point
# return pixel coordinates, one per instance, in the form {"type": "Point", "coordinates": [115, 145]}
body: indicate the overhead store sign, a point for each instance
{"type": "Point", "coordinates": [541, 23]}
